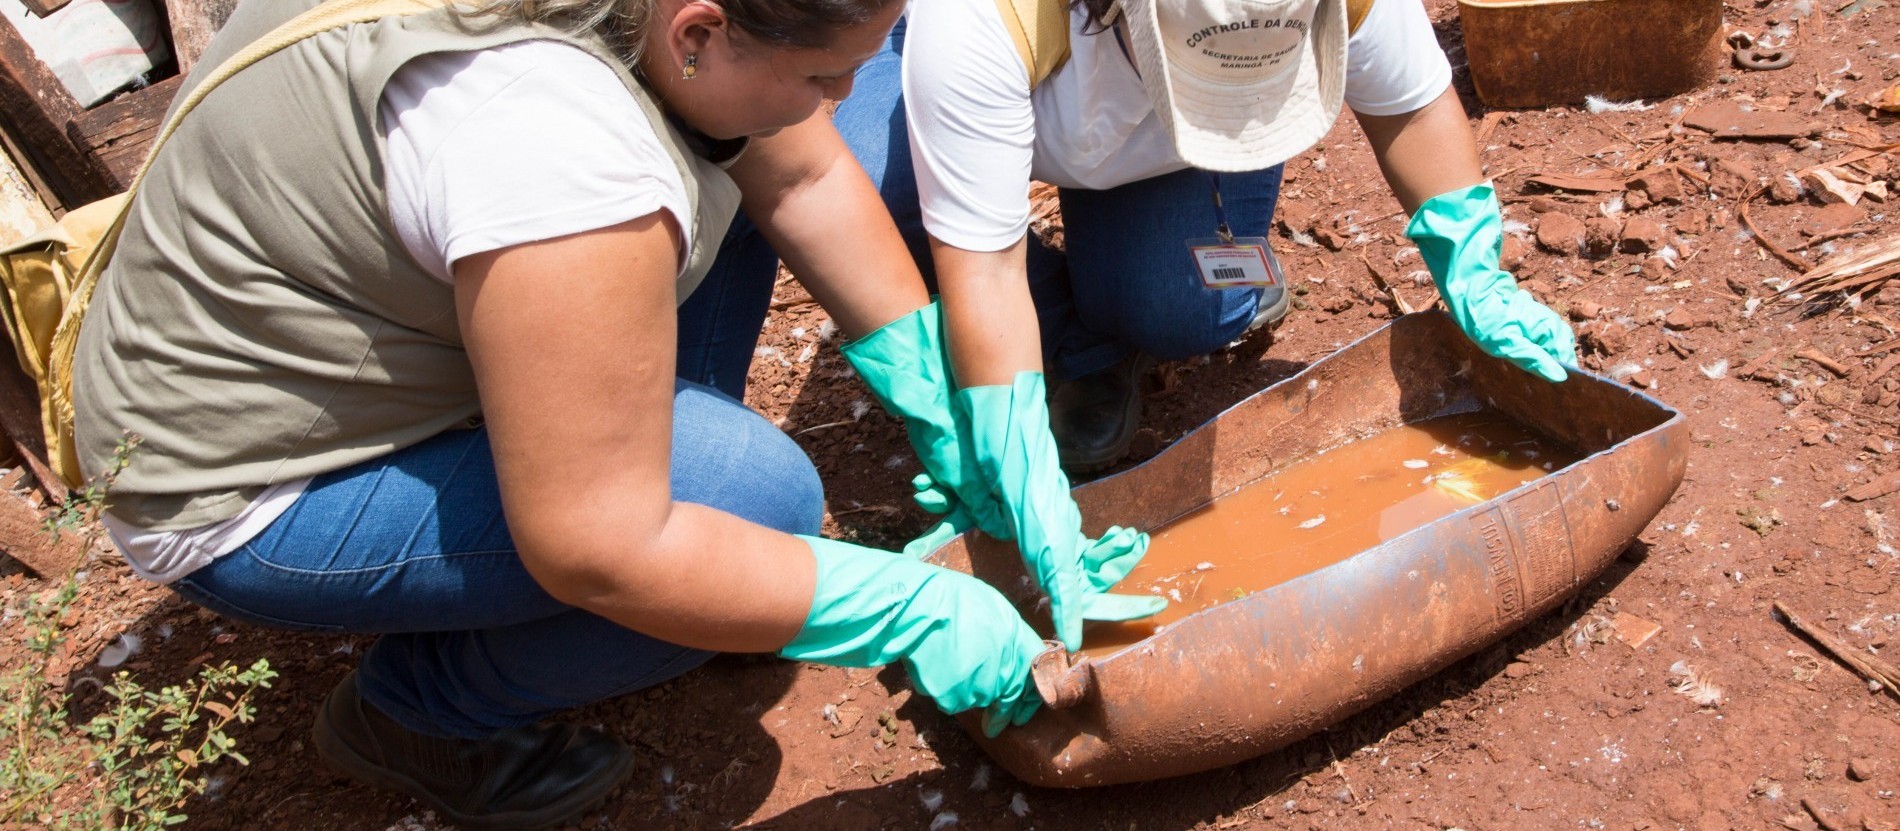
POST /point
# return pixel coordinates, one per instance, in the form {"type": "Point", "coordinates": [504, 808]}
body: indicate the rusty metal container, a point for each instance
{"type": "Point", "coordinates": [1253, 675]}
{"type": "Point", "coordinates": [1534, 53]}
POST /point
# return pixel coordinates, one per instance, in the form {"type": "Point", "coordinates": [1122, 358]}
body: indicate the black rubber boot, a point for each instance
{"type": "Point", "coordinates": [1094, 417]}
{"type": "Point", "coordinates": [522, 778]}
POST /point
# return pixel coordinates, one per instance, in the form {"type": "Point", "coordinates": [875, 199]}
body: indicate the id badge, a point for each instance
{"type": "Point", "coordinates": [1243, 263]}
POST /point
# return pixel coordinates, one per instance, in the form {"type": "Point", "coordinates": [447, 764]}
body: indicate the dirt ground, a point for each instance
{"type": "Point", "coordinates": [1563, 724]}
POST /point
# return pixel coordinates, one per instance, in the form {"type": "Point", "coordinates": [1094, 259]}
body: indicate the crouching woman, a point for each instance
{"type": "Point", "coordinates": [394, 315]}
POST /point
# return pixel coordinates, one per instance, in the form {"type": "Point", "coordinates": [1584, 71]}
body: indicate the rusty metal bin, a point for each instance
{"type": "Point", "coordinates": [1241, 679]}
{"type": "Point", "coordinates": [1533, 53]}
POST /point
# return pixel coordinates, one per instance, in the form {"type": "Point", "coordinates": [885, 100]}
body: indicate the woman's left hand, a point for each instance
{"type": "Point", "coordinates": [1460, 234]}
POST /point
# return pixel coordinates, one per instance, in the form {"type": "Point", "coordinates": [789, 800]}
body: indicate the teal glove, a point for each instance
{"type": "Point", "coordinates": [961, 642]}
{"type": "Point", "coordinates": [1460, 233]}
{"type": "Point", "coordinates": [905, 366]}
{"type": "Point", "coordinates": [1009, 435]}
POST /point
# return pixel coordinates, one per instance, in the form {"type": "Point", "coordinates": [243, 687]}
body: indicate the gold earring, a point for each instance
{"type": "Point", "coordinates": [690, 68]}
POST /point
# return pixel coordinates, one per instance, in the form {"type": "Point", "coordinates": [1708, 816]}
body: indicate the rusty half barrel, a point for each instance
{"type": "Point", "coordinates": [1533, 53]}
{"type": "Point", "coordinates": [1253, 675]}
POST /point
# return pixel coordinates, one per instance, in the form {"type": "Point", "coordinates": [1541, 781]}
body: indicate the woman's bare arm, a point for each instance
{"type": "Point", "coordinates": [572, 340]}
{"type": "Point", "coordinates": [813, 201]}
{"type": "Point", "coordinates": [1426, 152]}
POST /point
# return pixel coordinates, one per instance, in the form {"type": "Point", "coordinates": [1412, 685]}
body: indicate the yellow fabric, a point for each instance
{"type": "Point", "coordinates": [38, 276]}
{"type": "Point", "coordinates": [1356, 14]}
{"type": "Point", "coordinates": [1040, 29]}
{"type": "Point", "coordinates": [49, 278]}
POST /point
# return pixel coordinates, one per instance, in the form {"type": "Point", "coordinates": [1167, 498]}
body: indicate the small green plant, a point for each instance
{"type": "Point", "coordinates": [133, 766]}
{"type": "Point", "coordinates": [79, 512]}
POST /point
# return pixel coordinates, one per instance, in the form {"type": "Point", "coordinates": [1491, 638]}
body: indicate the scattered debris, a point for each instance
{"type": "Point", "coordinates": [1634, 630]}
{"type": "Point", "coordinates": [1560, 233]}
{"type": "Point", "coordinates": [1685, 679]}
{"type": "Point", "coordinates": [1731, 178]}
{"type": "Point", "coordinates": [1681, 320]}
{"type": "Point", "coordinates": [1820, 359]}
{"type": "Point", "coordinates": [1886, 100]}
{"type": "Point", "coordinates": [1760, 521]}
{"type": "Point", "coordinates": [1599, 105]}
{"type": "Point", "coordinates": [843, 718]}
{"type": "Point", "coordinates": [1659, 184]}
{"type": "Point", "coordinates": [1741, 212]}
{"type": "Point", "coordinates": [1828, 219]}
{"type": "Point", "coordinates": [120, 650]}
{"type": "Point", "coordinates": [1756, 365]}
{"type": "Point", "coordinates": [1604, 337]}
{"type": "Point", "coordinates": [1864, 272]}
{"type": "Point", "coordinates": [1874, 669]}
{"type": "Point", "coordinates": [1642, 235]}
{"type": "Point", "coordinates": [1862, 769]}
{"type": "Point", "coordinates": [1730, 120]}
{"type": "Point", "coordinates": [1601, 235]}
{"type": "Point", "coordinates": [1607, 181]}
{"type": "Point", "coordinates": [1832, 188]}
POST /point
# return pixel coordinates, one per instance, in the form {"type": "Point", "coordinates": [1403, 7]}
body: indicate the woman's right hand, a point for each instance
{"type": "Point", "coordinates": [1009, 435]}
{"type": "Point", "coordinates": [961, 642]}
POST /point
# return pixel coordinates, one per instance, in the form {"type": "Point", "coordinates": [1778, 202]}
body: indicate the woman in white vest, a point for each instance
{"type": "Point", "coordinates": [1164, 124]}
{"type": "Point", "coordinates": [394, 317]}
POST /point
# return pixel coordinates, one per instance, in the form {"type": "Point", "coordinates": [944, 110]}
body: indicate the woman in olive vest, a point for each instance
{"type": "Point", "coordinates": [394, 319]}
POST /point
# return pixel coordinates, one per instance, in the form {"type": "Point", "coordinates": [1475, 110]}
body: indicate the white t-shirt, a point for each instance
{"type": "Point", "coordinates": [484, 150]}
{"type": "Point", "coordinates": [978, 134]}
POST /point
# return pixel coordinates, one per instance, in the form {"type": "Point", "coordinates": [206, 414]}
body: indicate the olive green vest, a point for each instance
{"type": "Point", "coordinates": [260, 322]}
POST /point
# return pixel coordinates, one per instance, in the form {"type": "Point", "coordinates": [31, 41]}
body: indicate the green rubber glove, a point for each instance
{"type": "Point", "coordinates": [961, 642]}
{"type": "Point", "coordinates": [1460, 234]}
{"type": "Point", "coordinates": [1009, 435]}
{"type": "Point", "coordinates": [1105, 562]}
{"type": "Point", "coordinates": [905, 365]}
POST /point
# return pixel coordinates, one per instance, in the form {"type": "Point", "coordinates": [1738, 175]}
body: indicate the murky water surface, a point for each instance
{"type": "Point", "coordinates": [1316, 512]}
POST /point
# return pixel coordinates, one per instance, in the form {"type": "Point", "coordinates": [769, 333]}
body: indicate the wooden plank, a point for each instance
{"type": "Point", "coordinates": [23, 538]}
{"type": "Point", "coordinates": [20, 420]}
{"type": "Point", "coordinates": [1874, 490]}
{"type": "Point", "coordinates": [193, 23]}
{"type": "Point", "coordinates": [119, 132]}
{"type": "Point", "coordinates": [17, 156]}
{"type": "Point", "coordinates": [36, 108]}
{"type": "Point", "coordinates": [45, 7]}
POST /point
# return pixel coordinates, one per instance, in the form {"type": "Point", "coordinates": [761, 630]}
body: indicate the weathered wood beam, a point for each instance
{"type": "Point", "coordinates": [38, 109]}
{"type": "Point", "coordinates": [119, 132]}
{"type": "Point", "coordinates": [193, 23]}
{"type": "Point", "coordinates": [45, 7]}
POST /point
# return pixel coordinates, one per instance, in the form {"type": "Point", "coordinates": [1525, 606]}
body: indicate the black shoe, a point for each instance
{"type": "Point", "coordinates": [522, 778]}
{"type": "Point", "coordinates": [1094, 417]}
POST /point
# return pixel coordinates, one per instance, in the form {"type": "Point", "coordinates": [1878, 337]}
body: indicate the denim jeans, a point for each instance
{"type": "Point", "coordinates": [414, 545]}
{"type": "Point", "coordinates": [1127, 282]}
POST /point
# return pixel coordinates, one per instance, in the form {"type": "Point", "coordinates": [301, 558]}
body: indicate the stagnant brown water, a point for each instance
{"type": "Point", "coordinates": [1321, 510]}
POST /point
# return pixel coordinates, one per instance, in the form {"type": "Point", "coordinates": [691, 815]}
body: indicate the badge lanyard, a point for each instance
{"type": "Point", "coordinates": [1229, 262]}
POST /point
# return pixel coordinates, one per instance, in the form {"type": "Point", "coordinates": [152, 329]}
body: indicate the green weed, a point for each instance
{"type": "Point", "coordinates": [133, 766]}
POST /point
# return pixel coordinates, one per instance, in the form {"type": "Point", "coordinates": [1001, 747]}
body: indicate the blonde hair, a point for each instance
{"type": "Point", "coordinates": [621, 23]}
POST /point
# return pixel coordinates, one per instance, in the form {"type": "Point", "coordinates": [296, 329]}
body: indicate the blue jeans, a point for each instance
{"type": "Point", "coordinates": [414, 545]}
{"type": "Point", "coordinates": [1127, 282]}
